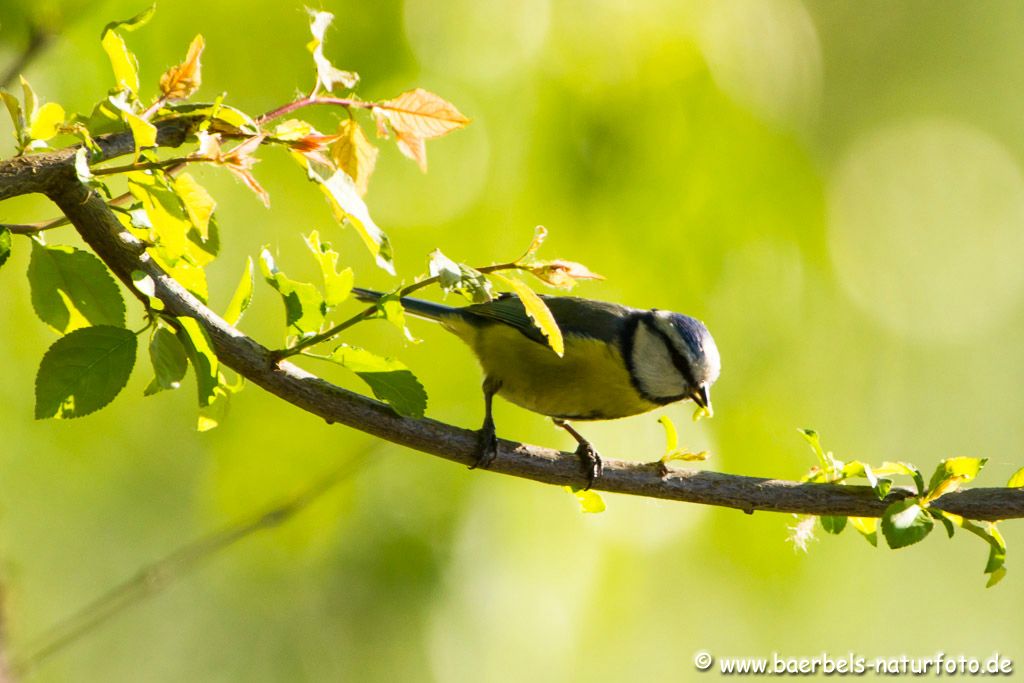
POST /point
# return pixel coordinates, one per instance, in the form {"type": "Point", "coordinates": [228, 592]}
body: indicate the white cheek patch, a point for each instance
{"type": "Point", "coordinates": [706, 366]}
{"type": "Point", "coordinates": [653, 369]}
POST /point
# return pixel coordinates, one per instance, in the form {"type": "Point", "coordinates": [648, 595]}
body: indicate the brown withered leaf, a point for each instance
{"type": "Point", "coordinates": [179, 82]}
{"type": "Point", "coordinates": [416, 116]}
{"type": "Point", "coordinates": [354, 153]}
{"type": "Point", "coordinates": [562, 274]}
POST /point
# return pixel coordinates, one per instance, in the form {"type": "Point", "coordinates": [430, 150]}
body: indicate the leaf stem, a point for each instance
{"type": "Point", "coordinates": [347, 102]}
{"type": "Point", "coordinates": [153, 165]}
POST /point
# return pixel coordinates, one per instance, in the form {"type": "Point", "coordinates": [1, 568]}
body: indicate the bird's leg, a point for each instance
{"type": "Point", "coordinates": [590, 459]}
{"type": "Point", "coordinates": [488, 435]}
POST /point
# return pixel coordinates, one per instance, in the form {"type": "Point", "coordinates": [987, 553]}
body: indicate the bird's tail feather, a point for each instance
{"type": "Point", "coordinates": [417, 307]}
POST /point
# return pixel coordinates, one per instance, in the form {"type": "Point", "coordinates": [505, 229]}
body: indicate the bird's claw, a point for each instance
{"type": "Point", "coordinates": [488, 449]}
{"type": "Point", "coordinates": [590, 461]}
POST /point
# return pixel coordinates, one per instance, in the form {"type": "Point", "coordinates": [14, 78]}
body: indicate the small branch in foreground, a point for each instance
{"type": "Point", "coordinates": [154, 578]}
{"type": "Point", "coordinates": [38, 38]}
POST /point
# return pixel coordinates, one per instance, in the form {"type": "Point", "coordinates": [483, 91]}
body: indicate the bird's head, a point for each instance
{"type": "Point", "coordinates": [674, 358]}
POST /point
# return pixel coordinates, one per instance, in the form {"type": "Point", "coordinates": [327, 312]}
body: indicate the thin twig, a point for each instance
{"type": "Point", "coordinates": [154, 578]}
{"type": "Point", "coordinates": [38, 38]}
{"type": "Point", "coordinates": [370, 311]}
{"type": "Point", "coordinates": [311, 101]}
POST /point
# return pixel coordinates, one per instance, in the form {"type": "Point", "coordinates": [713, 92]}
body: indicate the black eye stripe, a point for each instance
{"type": "Point", "coordinates": [682, 365]}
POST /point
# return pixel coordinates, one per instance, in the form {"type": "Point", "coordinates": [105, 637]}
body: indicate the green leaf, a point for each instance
{"type": "Point", "coordinates": [390, 380]}
{"type": "Point", "coordinates": [833, 524]}
{"type": "Point", "coordinates": [83, 371]}
{"type": "Point", "coordinates": [995, 577]}
{"type": "Point", "coordinates": [868, 528]}
{"type": "Point", "coordinates": [460, 278]}
{"type": "Point", "coordinates": [30, 100]}
{"type": "Point", "coordinates": [905, 522]}
{"type": "Point", "coordinates": [538, 311]}
{"type": "Point", "coordinates": [124, 63]}
{"type": "Point", "coordinates": [14, 109]}
{"type": "Point", "coordinates": [242, 297]}
{"type": "Point", "coordinates": [948, 521]}
{"type": "Point", "coordinates": [199, 348]}
{"type": "Point", "coordinates": [72, 288]}
{"type": "Point", "coordinates": [46, 121]}
{"type": "Point", "coordinates": [964, 467]}
{"type": "Point", "coordinates": [337, 286]}
{"type": "Point", "coordinates": [214, 414]}
{"type": "Point", "coordinates": [988, 532]}
{"type": "Point", "coordinates": [169, 359]}
{"type": "Point", "coordinates": [346, 204]}
{"type": "Point", "coordinates": [211, 416]}
{"type": "Point", "coordinates": [1016, 481]}
{"type": "Point", "coordinates": [303, 304]}
{"type": "Point", "coordinates": [590, 501]}
{"type": "Point", "coordinates": [5, 245]}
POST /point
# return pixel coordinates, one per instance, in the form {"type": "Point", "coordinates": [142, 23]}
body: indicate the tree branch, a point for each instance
{"type": "Point", "coordinates": [53, 174]}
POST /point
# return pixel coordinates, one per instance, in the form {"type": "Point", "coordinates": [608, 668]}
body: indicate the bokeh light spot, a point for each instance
{"type": "Point", "coordinates": [926, 229]}
{"type": "Point", "coordinates": [766, 56]}
{"type": "Point", "coordinates": [476, 39]}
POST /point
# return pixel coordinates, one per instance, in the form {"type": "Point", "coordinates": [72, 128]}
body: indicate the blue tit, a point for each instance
{"type": "Point", "coordinates": [618, 361]}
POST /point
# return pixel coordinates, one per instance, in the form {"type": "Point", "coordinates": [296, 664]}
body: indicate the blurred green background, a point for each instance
{"type": "Point", "coordinates": [834, 187]}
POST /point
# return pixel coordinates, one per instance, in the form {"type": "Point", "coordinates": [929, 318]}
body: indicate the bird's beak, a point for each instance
{"type": "Point", "coordinates": [702, 397]}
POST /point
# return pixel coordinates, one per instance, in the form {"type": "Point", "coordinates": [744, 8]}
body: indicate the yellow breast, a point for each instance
{"type": "Point", "coordinates": [590, 382]}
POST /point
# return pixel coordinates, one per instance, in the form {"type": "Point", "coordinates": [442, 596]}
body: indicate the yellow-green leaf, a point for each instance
{"type": "Point", "coordinates": [242, 297]}
{"type": "Point", "coordinates": [538, 311]}
{"type": "Point", "coordinates": [168, 218]}
{"type": "Point", "coordinates": [199, 349]}
{"type": "Point", "coordinates": [304, 305]}
{"type": "Point", "coordinates": [46, 121]}
{"type": "Point", "coordinates": [197, 201]}
{"type": "Point", "coordinates": [123, 61]}
{"type": "Point", "coordinates": [347, 205]}
{"type": "Point", "coordinates": [1017, 480]}
{"type": "Point", "coordinates": [337, 285]}
{"type": "Point", "coordinates": [590, 501]}
{"type": "Point", "coordinates": [354, 153]}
